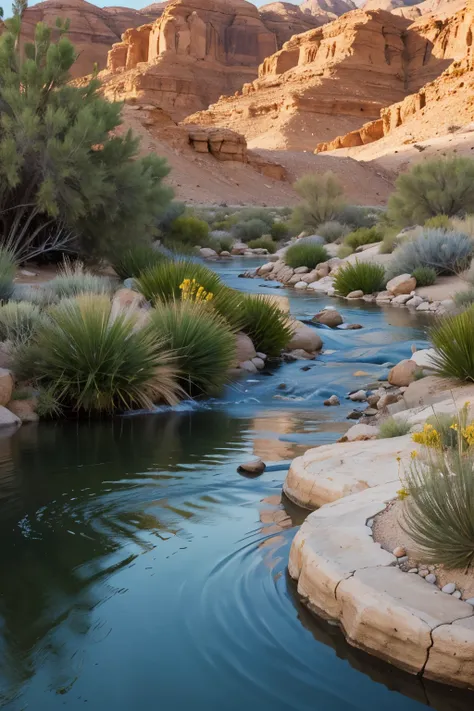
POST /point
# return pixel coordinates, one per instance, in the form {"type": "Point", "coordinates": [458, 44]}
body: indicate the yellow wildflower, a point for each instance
{"type": "Point", "coordinates": [454, 427]}
{"type": "Point", "coordinates": [413, 454]}
{"type": "Point", "coordinates": [468, 434]}
{"type": "Point", "coordinates": [402, 493]}
{"type": "Point", "coordinates": [429, 437]}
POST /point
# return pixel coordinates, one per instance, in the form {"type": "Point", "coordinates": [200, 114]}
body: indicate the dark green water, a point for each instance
{"type": "Point", "coordinates": [140, 571]}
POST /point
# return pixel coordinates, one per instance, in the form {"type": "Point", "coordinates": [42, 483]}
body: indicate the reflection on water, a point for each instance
{"type": "Point", "coordinates": [139, 570]}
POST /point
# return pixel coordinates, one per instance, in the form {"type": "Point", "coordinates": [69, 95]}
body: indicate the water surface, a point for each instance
{"type": "Point", "coordinates": [140, 571]}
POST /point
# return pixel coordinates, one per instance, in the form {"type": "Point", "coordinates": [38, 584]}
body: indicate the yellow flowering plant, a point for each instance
{"type": "Point", "coordinates": [192, 291]}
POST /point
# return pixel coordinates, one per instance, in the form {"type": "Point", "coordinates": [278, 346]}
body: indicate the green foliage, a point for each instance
{"type": "Point", "coordinates": [305, 254]}
{"type": "Point", "coordinates": [442, 222]}
{"type": "Point", "coordinates": [443, 424]}
{"type": "Point", "coordinates": [66, 177]}
{"type": "Point", "coordinates": [19, 321]}
{"type": "Point", "coordinates": [92, 361]}
{"type": "Point", "coordinates": [441, 186]}
{"type": "Point", "coordinates": [221, 243]}
{"type": "Point", "coordinates": [453, 340]}
{"type": "Point", "coordinates": [322, 200]}
{"type": "Point", "coordinates": [264, 243]}
{"type": "Point", "coordinates": [425, 276]}
{"type": "Point", "coordinates": [389, 241]}
{"type": "Point", "coordinates": [394, 427]}
{"type": "Point", "coordinates": [445, 252]}
{"type": "Point", "coordinates": [73, 279]}
{"type": "Point", "coordinates": [464, 299]}
{"type": "Point", "coordinates": [438, 513]}
{"type": "Point", "coordinates": [279, 231]}
{"type": "Point", "coordinates": [357, 216]}
{"type": "Point", "coordinates": [7, 273]}
{"type": "Point", "coordinates": [367, 276]}
{"type": "Point", "coordinates": [364, 235]}
{"type": "Point", "coordinates": [171, 213]}
{"type": "Point", "coordinates": [41, 294]}
{"type": "Point", "coordinates": [203, 341]}
{"type": "Point", "coordinates": [188, 230]}
{"type": "Point", "coordinates": [162, 282]}
{"type": "Point", "coordinates": [250, 230]}
{"type": "Point", "coordinates": [344, 251]}
{"type": "Point", "coordinates": [47, 404]}
{"type": "Point", "coordinates": [332, 230]}
{"type": "Point", "coordinates": [248, 214]}
{"type": "Point", "coordinates": [136, 259]}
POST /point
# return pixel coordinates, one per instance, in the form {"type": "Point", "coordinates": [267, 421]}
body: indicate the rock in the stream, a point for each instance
{"type": "Point", "coordinates": [358, 396]}
{"type": "Point", "coordinates": [254, 468]}
{"type": "Point", "coordinates": [328, 317]}
{"type": "Point", "coordinates": [245, 350]}
{"type": "Point", "coordinates": [332, 401]}
{"type": "Point", "coordinates": [248, 366]}
{"type": "Point", "coordinates": [305, 338]}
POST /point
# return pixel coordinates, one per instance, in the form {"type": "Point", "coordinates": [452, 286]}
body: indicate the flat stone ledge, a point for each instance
{"type": "Point", "coordinates": [342, 574]}
{"type": "Point", "coordinates": [333, 471]}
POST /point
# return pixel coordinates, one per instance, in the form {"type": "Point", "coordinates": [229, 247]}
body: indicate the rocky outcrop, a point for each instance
{"type": "Point", "coordinates": [286, 20]}
{"type": "Point", "coordinates": [197, 50]}
{"type": "Point", "coordinates": [93, 30]}
{"type": "Point", "coordinates": [328, 77]}
{"type": "Point", "coordinates": [450, 42]}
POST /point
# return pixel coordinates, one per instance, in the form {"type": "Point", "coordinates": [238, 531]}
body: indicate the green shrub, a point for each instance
{"type": "Point", "coordinates": [222, 243]}
{"type": "Point", "coordinates": [441, 186]}
{"type": "Point", "coordinates": [364, 235]}
{"type": "Point", "coordinates": [279, 231]}
{"type": "Point", "coordinates": [425, 276]}
{"type": "Point", "coordinates": [248, 214]}
{"type": "Point", "coordinates": [322, 200]}
{"type": "Point", "coordinates": [131, 262]}
{"type": "Point", "coordinates": [162, 282]}
{"type": "Point", "coordinates": [464, 299]}
{"type": "Point", "coordinates": [332, 230]}
{"type": "Point", "coordinates": [305, 254]}
{"type": "Point", "coordinates": [443, 424]}
{"type": "Point", "coordinates": [442, 222]}
{"type": "Point", "coordinates": [389, 241]}
{"type": "Point", "coordinates": [73, 279]}
{"type": "Point", "coordinates": [357, 216]}
{"type": "Point", "coordinates": [247, 231]}
{"type": "Point", "coordinates": [40, 294]}
{"type": "Point", "coordinates": [264, 243]}
{"type": "Point", "coordinates": [7, 273]}
{"type": "Point", "coordinates": [189, 231]}
{"type": "Point", "coordinates": [366, 276]}
{"type": "Point", "coordinates": [438, 511]}
{"type": "Point", "coordinates": [174, 210]}
{"type": "Point", "coordinates": [453, 340]}
{"type": "Point", "coordinates": [203, 341]}
{"type": "Point", "coordinates": [19, 320]}
{"type": "Point", "coordinates": [93, 361]}
{"type": "Point", "coordinates": [445, 252]}
{"type": "Point", "coordinates": [344, 251]}
{"type": "Point", "coordinates": [394, 427]}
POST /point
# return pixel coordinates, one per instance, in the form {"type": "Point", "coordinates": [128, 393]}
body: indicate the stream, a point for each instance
{"type": "Point", "coordinates": [140, 571]}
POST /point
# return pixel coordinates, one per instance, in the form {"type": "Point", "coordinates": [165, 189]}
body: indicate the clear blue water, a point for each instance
{"type": "Point", "coordinates": [140, 571]}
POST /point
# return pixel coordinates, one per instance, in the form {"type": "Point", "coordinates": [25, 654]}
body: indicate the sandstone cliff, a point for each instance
{"type": "Point", "coordinates": [327, 79]}
{"type": "Point", "coordinates": [93, 30]}
{"type": "Point", "coordinates": [286, 20]}
{"type": "Point", "coordinates": [446, 101]}
{"type": "Point", "coordinates": [197, 50]}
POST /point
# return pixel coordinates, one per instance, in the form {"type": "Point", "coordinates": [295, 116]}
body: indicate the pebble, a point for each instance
{"type": "Point", "coordinates": [449, 588]}
{"type": "Point", "coordinates": [413, 570]}
{"type": "Point", "coordinates": [431, 578]}
{"type": "Point", "coordinates": [332, 401]}
{"type": "Point", "coordinates": [457, 594]}
{"type": "Point", "coordinates": [354, 415]}
{"type": "Point", "coordinates": [256, 467]}
{"type": "Point", "coordinates": [399, 552]}
{"type": "Point", "coordinates": [261, 355]}
{"type": "Point", "coordinates": [423, 572]}
{"type": "Point", "coordinates": [358, 396]}
{"type": "Point", "coordinates": [470, 601]}
{"type": "Point", "coordinates": [402, 559]}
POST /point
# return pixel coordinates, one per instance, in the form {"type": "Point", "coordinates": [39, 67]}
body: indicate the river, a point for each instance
{"type": "Point", "coordinates": [140, 571]}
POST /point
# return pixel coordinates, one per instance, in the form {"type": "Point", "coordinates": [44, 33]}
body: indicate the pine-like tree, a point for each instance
{"type": "Point", "coordinates": [64, 174]}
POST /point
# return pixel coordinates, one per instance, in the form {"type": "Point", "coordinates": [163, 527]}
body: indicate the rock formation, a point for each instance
{"type": "Point", "coordinates": [93, 30]}
{"type": "Point", "coordinates": [286, 20]}
{"type": "Point", "coordinates": [438, 104]}
{"type": "Point", "coordinates": [333, 7]}
{"type": "Point", "coordinates": [328, 78]}
{"type": "Point", "coordinates": [197, 50]}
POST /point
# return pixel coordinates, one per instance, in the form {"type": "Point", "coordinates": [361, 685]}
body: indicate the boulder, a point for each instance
{"type": "Point", "coordinates": [332, 401]}
{"type": "Point", "coordinates": [301, 285]}
{"type": "Point", "coordinates": [305, 338]}
{"type": "Point", "coordinates": [249, 366]}
{"type": "Point", "coordinates": [244, 348]}
{"type": "Point", "coordinates": [25, 410]}
{"type": "Point", "coordinates": [207, 253]}
{"type": "Point", "coordinates": [402, 284]}
{"type": "Point", "coordinates": [357, 294]}
{"type": "Point", "coordinates": [125, 299]}
{"type": "Point", "coordinates": [387, 399]}
{"type": "Point", "coordinates": [255, 467]}
{"type": "Point", "coordinates": [359, 433]}
{"type": "Point", "coordinates": [6, 386]}
{"type": "Point", "coordinates": [403, 373]}
{"type": "Point", "coordinates": [8, 419]}
{"type": "Point", "coordinates": [328, 317]}
{"type": "Point", "coordinates": [424, 358]}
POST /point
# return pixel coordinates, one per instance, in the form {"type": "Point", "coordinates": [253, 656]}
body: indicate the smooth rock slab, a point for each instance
{"type": "Point", "coordinates": [452, 654]}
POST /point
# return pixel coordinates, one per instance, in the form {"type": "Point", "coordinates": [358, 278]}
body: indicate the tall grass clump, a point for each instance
{"type": "Point", "coordinates": [365, 276]}
{"type": "Point", "coordinates": [203, 341]}
{"type": "Point", "coordinates": [441, 186]}
{"type": "Point", "coordinates": [40, 294]}
{"type": "Point", "coordinates": [7, 272]}
{"type": "Point", "coordinates": [264, 243]}
{"type": "Point", "coordinates": [133, 261]}
{"type": "Point", "coordinates": [279, 231]}
{"type": "Point", "coordinates": [305, 254]}
{"type": "Point", "coordinates": [94, 362]}
{"type": "Point", "coordinates": [438, 512]}
{"type": "Point", "coordinates": [453, 340]}
{"type": "Point", "coordinates": [425, 276]}
{"type": "Point", "coordinates": [332, 230]}
{"type": "Point", "coordinates": [322, 200]}
{"type": "Point", "coordinates": [362, 236]}
{"type": "Point", "coordinates": [445, 252]}
{"type": "Point", "coordinates": [442, 222]}
{"type": "Point", "coordinates": [19, 320]}
{"type": "Point", "coordinates": [162, 282]}
{"type": "Point", "coordinates": [73, 279]}
{"type": "Point", "coordinates": [393, 427]}
{"type": "Point", "coordinates": [464, 299]}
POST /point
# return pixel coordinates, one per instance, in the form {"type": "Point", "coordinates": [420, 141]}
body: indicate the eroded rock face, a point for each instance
{"type": "Point", "coordinates": [93, 30]}
{"type": "Point", "coordinates": [331, 76]}
{"type": "Point", "coordinates": [287, 20]}
{"type": "Point", "coordinates": [196, 51]}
